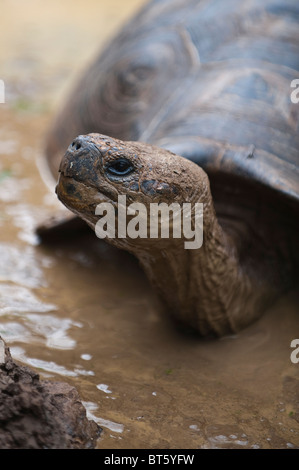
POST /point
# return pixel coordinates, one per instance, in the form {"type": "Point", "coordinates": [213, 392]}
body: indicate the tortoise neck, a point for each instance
{"type": "Point", "coordinates": [197, 284]}
{"type": "Point", "coordinates": [210, 288]}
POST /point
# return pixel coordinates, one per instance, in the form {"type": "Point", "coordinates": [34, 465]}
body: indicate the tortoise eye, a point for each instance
{"type": "Point", "coordinates": [120, 167]}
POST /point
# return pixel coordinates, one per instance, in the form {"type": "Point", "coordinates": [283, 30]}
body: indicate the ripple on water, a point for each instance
{"type": "Point", "coordinates": [104, 388]}
{"type": "Point", "coordinates": [16, 299]}
{"type": "Point", "coordinates": [47, 366]}
{"type": "Point", "coordinates": [222, 436]}
{"type": "Point", "coordinates": [26, 217]}
{"type": "Point", "coordinates": [24, 317]}
{"type": "Point", "coordinates": [34, 324]}
{"type": "Point", "coordinates": [53, 329]}
{"type": "Point", "coordinates": [105, 423]}
{"type": "Point", "coordinates": [14, 331]}
{"type": "Point", "coordinates": [19, 265]}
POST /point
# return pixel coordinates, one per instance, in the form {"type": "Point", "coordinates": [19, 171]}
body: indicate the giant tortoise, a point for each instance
{"type": "Point", "coordinates": [191, 103]}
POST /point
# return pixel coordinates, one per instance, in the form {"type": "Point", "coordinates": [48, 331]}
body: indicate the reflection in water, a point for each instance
{"type": "Point", "coordinates": [105, 423]}
{"type": "Point", "coordinates": [14, 331]}
{"type": "Point", "coordinates": [53, 329]}
{"type": "Point", "coordinates": [86, 357]}
{"type": "Point", "coordinates": [47, 366]}
{"type": "Point", "coordinates": [26, 218]}
{"type": "Point", "coordinates": [104, 388]}
{"type": "Point", "coordinates": [24, 317]}
{"type": "Point", "coordinates": [19, 265]}
{"type": "Point", "coordinates": [221, 441]}
{"type": "Point", "coordinates": [16, 299]}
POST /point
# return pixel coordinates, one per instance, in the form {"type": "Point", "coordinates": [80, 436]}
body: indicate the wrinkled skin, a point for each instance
{"type": "Point", "coordinates": [212, 289]}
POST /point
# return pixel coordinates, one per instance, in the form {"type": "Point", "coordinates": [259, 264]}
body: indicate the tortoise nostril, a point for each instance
{"type": "Point", "coordinates": [76, 145]}
{"type": "Point", "coordinates": [80, 145]}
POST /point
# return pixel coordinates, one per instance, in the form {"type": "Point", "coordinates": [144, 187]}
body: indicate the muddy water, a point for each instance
{"type": "Point", "coordinates": [82, 312]}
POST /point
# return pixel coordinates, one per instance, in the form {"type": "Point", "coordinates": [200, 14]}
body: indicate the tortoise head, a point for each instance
{"type": "Point", "coordinates": [98, 169]}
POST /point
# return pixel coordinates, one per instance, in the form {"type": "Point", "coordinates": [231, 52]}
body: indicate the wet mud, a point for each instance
{"type": "Point", "coordinates": [82, 312]}
{"type": "Point", "coordinates": [37, 414]}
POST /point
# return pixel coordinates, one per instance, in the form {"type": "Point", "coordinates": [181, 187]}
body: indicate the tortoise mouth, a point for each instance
{"type": "Point", "coordinates": [71, 190]}
{"type": "Point", "coordinates": [67, 188]}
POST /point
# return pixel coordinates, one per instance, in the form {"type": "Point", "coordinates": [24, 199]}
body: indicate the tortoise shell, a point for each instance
{"type": "Point", "coordinates": [207, 79]}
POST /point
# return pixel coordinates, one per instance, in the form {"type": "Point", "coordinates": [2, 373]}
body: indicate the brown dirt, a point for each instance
{"type": "Point", "coordinates": [37, 414]}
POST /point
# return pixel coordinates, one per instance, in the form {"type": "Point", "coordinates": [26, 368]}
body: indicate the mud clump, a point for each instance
{"type": "Point", "coordinates": [37, 414]}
